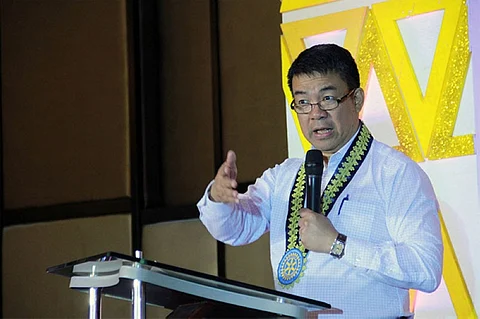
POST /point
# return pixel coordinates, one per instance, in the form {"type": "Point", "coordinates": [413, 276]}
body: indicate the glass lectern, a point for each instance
{"type": "Point", "coordinates": [189, 294]}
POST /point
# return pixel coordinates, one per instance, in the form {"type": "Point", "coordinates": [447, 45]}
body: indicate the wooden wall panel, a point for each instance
{"type": "Point", "coordinates": [29, 292]}
{"type": "Point", "coordinates": [186, 98]}
{"type": "Point", "coordinates": [185, 244]}
{"type": "Point", "coordinates": [64, 103]}
{"type": "Point", "coordinates": [252, 100]}
{"type": "Point", "coordinates": [65, 116]}
{"type": "Point", "coordinates": [252, 103]}
{"type": "Point", "coordinates": [250, 263]}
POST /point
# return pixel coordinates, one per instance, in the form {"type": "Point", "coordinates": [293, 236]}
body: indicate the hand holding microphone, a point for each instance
{"type": "Point", "coordinates": [316, 231]}
{"type": "Point", "coordinates": [314, 171]}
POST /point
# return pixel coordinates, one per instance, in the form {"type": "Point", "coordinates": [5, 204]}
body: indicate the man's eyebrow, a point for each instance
{"type": "Point", "coordinates": [298, 92]}
{"type": "Point", "coordinates": [328, 88]}
{"type": "Point", "coordinates": [323, 89]}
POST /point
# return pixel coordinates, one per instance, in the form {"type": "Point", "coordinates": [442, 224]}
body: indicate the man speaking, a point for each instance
{"type": "Point", "coordinates": [374, 232]}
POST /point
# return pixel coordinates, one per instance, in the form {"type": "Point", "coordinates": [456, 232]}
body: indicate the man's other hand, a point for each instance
{"type": "Point", "coordinates": [224, 188]}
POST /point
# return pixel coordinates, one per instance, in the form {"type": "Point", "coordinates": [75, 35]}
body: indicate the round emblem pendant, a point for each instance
{"type": "Point", "coordinates": [290, 266]}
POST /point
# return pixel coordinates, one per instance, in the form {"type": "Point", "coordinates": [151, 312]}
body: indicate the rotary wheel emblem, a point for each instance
{"type": "Point", "coordinates": [290, 266]}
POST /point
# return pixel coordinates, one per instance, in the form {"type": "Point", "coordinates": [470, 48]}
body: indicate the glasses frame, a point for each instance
{"type": "Point", "coordinates": [339, 100]}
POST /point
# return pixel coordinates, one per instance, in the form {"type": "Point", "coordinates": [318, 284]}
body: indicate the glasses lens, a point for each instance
{"type": "Point", "coordinates": [302, 109]}
{"type": "Point", "coordinates": [328, 104]}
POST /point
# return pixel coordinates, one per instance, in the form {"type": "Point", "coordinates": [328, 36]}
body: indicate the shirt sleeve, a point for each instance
{"type": "Point", "coordinates": [242, 223]}
{"type": "Point", "coordinates": [413, 258]}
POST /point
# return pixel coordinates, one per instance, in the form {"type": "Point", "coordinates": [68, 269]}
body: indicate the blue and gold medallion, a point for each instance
{"type": "Point", "coordinates": [290, 266]}
{"type": "Point", "coordinates": [294, 262]}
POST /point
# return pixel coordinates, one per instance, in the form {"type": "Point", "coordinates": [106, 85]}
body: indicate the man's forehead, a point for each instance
{"type": "Point", "coordinates": [331, 80]}
{"type": "Point", "coordinates": [316, 74]}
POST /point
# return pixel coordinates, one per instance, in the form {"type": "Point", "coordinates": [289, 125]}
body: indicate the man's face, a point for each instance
{"type": "Point", "coordinates": [327, 131]}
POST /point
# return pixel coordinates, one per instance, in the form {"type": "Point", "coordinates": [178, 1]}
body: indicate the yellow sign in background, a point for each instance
{"type": "Point", "coordinates": [424, 123]}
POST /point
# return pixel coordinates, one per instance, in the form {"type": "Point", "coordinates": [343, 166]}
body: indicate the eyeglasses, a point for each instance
{"type": "Point", "coordinates": [328, 103]}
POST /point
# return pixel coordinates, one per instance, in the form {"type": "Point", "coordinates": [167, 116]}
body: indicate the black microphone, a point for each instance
{"type": "Point", "coordinates": [314, 171]}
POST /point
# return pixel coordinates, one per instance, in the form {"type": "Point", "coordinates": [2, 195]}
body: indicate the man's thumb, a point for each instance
{"type": "Point", "coordinates": [231, 159]}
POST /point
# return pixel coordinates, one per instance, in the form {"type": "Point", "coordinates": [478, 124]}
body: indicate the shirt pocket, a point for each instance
{"type": "Point", "coordinates": [357, 219]}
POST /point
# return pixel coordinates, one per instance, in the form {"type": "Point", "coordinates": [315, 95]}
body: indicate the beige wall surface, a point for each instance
{"type": "Point", "coordinates": [28, 291]}
{"type": "Point", "coordinates": [185, 244]}
{"type": "Point", "coordinates": [250, 263]}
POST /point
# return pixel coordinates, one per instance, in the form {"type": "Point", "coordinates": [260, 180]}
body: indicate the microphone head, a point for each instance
{"type": "Point", "coordinates": [314, 163]}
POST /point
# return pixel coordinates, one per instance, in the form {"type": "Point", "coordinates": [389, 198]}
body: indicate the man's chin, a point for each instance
{"type": "Point", "coordinates": [326, 149]}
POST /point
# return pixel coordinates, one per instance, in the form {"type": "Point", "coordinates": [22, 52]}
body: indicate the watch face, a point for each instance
{"type": "Point", "coordinates": [338, 248]}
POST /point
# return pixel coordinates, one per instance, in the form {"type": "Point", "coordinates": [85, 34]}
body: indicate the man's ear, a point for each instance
{"type": "Point", "coordinates": [358, 99]}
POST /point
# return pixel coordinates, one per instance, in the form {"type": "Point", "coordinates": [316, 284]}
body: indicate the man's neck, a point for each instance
{"type": "Point", "coordinates": [327, 156]}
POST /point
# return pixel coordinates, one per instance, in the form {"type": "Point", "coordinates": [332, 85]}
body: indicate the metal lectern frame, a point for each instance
{"type": "Point", "coordinates": [147, 282]}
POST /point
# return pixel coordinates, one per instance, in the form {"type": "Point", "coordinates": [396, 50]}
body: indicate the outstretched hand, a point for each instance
{"type": "Point", "coordinates": [224, 188]}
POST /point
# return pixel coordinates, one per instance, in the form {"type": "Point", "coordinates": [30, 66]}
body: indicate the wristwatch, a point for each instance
{"type": "Point", "coordinates": [338, 246]}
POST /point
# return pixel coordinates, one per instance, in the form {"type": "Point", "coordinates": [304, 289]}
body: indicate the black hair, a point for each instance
{"type": "Point", "coordinates": [323, 59]}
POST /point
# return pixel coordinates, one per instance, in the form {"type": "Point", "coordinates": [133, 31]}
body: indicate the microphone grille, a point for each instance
{"type": "Point", "coordinates": [314, 162]}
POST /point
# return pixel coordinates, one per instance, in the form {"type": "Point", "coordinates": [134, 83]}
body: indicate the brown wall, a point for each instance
{"type": "Point", "coordinates": [253, 105]}
{"type": "Point", "coordinates": [65, 139]}
{"type": "Point", "coordinates": [64, 103]}
{"type": "Point", "coordinates": [65, 108]}
{"type": "Point", "coordinates": [186, 97]}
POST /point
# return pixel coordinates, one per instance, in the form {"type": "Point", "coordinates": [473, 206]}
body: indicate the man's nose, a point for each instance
{"type": "Point", "coordinates": [317, 112]}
